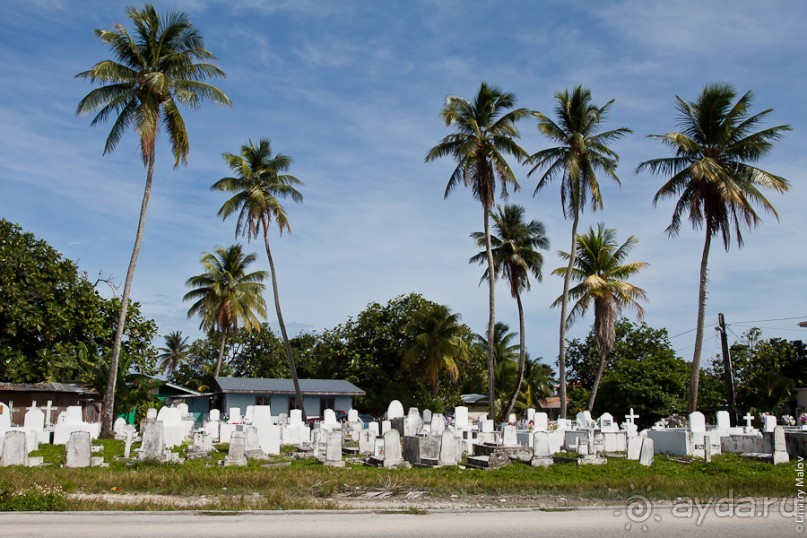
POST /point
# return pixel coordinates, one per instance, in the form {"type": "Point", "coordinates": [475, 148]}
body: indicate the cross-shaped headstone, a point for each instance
{"type": "Point", "coordinates": [748, 418]}
{"type": "Point", "coordinates": [33, 405]}
{"type": "Point", "coordinates": [630, 417]}
{"type": "Point", "coordinates": [48, 409]}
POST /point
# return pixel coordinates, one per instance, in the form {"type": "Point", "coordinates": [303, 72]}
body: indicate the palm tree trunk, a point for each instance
{"type": "Point", "coordinates": [491, 315]}
{"type": "Point", "coordinates": [522, 357]}
{"type": "Point", "coordinates": [286, 343]}
{"type": "Point", "coordinates": [593, 396]}
{"type": "Point", "coordinates": [109, 396]}
{"type": "Point", "coordinates": [564, 305]}
{"type": "Point", "coordinates": [696, 356]}
{"type": "Point", "coordinates": [221, 353]}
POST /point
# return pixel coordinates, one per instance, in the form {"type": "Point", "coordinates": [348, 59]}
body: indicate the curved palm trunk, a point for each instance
{"type": "Point", "coordinates": [696, 356]}
{"type": "Point", "coordinates": [286, 343]}
{"type": "Point", "coordinates": [522, 357]}
{"type": "Point", "coordinates": [221, 353]}
{"type": "Point", "coordinates": [109, 396]}
{"type": "Point", "coordinates": [593, 396]}
{"type": "Point", "coordinates": [564, 306]}
{"type": "Point", "coordinates": [491, 317]}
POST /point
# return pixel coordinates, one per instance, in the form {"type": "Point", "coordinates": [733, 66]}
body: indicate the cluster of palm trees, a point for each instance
{"type": "Point", "coordinates": [163, 65]}
{"type": "Point", "coordinates": [712, 173]}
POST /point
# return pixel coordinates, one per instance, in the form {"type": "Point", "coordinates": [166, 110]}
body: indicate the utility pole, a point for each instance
{"type": "Point", "coordinates": [728, 375]}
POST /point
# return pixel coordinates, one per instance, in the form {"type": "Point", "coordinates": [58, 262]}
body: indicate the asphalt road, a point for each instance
{"type": "Point", "coordinates": [490, 524]}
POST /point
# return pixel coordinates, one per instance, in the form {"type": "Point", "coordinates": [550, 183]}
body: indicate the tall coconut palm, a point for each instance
{"type": "Point", "coordinates": [602, 275]}
{"type": "Point", "coordinates": [258, 184]}
{"type": "Point", "coordinates": [162, 66]}
{"type": "Point", "coordinates": [484, 132]}
{"type": "Point", "coordinates": [226, 294]}
{"type": "Point", "coordinates": [714, 180]}
{"type": "Point", "coordinates": [514, 243]}
{"type": "Point", "coordinates": [582, 152]}
{"type": "Point", "coordinates": [174, 353]}
{"type": "Point", "coordinates": [436, 346]}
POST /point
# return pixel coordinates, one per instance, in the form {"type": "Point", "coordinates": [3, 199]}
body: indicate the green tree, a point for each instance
{"type": "Point", "coordinates": [49, 311]}
{"type": "Point", "coordinates": [258, 184]}
{"type": "Point", "coordinates": [163, 65]}
{"type": "Point", "coordinates": [538, 383]}
{"type": "Point", "coordinates": [642, 373]}
{"type": "Point", "coordinates": [602, 276]}
{"type": "Point", "coordinates": [174, 352]}
{"type": "Point", "coordinates": [516, 255]}
{"type": "Point", "coordinates": [226, 294]}
{"type": "Point", "coordinates": [483, 134]}
{"type": "Point", "coordinates": [714, 180]}
{"type": "Point", "coordinates": [582, 152]}
{"type": "Point", "coordinates": [505, 356]}
{"type": "Point", "coordinates": [436, 346]}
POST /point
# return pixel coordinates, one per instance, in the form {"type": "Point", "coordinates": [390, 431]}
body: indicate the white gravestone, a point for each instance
{"type": "Point", "coordinates": [584, 420]}
{"type": "Point", "coordinates": [237, 453]}
{"type": "Point", "coordinates": [333, 449]}
{"type": "Point", "coordinates": [353, 415]}
{"type": "Point", "coordinates": [173, 429]}
{"type": "Point", "coordinates": [540, 422]}
{"type": "Point", "coordinates": [73, 422]}
{"type": "Point", "coordinates": [697, 422]}
{"type": "Point", "coordinates": [450, 449]}
{"type": "Point", "coordinates": [461, 417]}
{"type": "Point", "coordinates": [268, 432]}
{"type": "Point", "coordinates": [392, 449]}
{"type": "Point", "coordinates": [34, 421]}
{"type": "Point", "coordinates": [509, 436]}
{"type": "Point", "coordinates": [769, 423]}
{"type": "Point", "coordinates": [531, 415]}
{"type": "Point", "coordinates": [395, 410]}
{"type": "Point", "coordinates": [541, 450]}
{"type": "Point", "coordinates": [15, 449]}
{"type": "Point", "coordinates": [607, 423]}
{"type": "Point", "coordinates": [438, 424]}
{"type": "Point", "coordinates": [646, 454]}
{"type": "Point", "coordinates": [780, 454]}
{"type": "Point", "coordinates": [723, 420]}
{"type": "Point", "coordinates": [412, 422]}
{"type": "Point", "coordinates": [78, 452]}
{"type": "Point", "coordinates": [427, 416]}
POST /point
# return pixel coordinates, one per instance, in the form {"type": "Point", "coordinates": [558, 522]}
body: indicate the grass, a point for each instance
{"type": "Point", "coordinates": [307, 484]}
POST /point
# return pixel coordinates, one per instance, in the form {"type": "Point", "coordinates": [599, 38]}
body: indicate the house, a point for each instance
{"type": "Point", "coordinates": [318, 395]}
{"type": "Point", "coordinates": [21, 396]}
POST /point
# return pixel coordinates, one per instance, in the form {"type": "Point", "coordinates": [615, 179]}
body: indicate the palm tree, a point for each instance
{"type": "Point", "coordinates": [581, 153]}
{"type": "Point", "coordinates": [175, 350]}
{"type": "Point", "coordinates": [436, 345]}
{"type": "Point", "coordinates": [225, 294]}
{"type": "Point", "coordinates": [602, 278]}
{"type": "Point", "coordinates": [258, 184]}
{"type": "Point", "coordinates": [714, 180]}
{"type": "Point", "coordinates": [514, 243]}
{"type": "Point", "coordinates": [162, 66]}
{"type": "Point", "coordinates": [483, 134]}
{"type": "Point", "coordinates": [505, 361]}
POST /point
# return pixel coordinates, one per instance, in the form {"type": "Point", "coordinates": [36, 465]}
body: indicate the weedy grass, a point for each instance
{"type": "Point", "coordinates": [307, 484]}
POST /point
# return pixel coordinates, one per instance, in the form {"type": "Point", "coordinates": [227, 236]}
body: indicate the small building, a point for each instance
{"type": "Point", "coordinates": [20, 396]}
{"type": "Point", "coordinates": [318, 395]}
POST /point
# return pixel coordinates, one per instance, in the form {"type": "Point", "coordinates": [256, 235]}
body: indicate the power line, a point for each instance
{"type": "Point", "coordinates": [693, 329]}
{"type": "Point", "coordinates": [773, 319]}
{"type": "Point", "coordinates": [778, 328]}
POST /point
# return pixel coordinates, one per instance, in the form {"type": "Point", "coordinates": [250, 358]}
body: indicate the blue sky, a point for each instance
{"type": "Point", "coordinates": [352, 91]}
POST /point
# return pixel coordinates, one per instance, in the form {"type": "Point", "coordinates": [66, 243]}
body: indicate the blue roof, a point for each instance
{"type": "Point", "coordinates": [266, 385]}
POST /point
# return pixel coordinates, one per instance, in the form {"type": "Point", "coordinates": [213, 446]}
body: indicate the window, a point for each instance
{"type": "Point", "coordinates": [326, 403]}
{"type": "Point", "coordinates": [292, 403]}
{"type": "Point", "coordinates": [261, 400]}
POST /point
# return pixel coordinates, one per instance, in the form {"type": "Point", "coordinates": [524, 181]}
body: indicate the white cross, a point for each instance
{"type": "Point", "coordinates": [748, 418]}
{"type": "Point", "coordinates": [48, 410]}
{"type": "Point", "coordinates": [631, 416]}
{"type": "Point", "coordinates": [33, 405]}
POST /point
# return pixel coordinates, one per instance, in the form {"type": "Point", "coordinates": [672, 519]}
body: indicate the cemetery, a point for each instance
{"type": "Point", "coordinates": [529, 456]}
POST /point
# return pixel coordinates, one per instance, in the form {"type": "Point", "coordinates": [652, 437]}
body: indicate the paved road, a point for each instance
{"type": "Point", "coordinates": [584, 522]}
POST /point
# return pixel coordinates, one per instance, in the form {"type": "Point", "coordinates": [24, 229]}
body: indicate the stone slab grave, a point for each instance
{"type": "Point", "coordinates": [268, 432]}
{"type": "Point", "coordinates": [72, 421]}
{"type": "Point", "coordinates": [226, 429]}
{"type": "Point", "coordinates": [329, 421]}
{"type": "Point", "coordinates": [188, 422]}
{"type": "Point", "coordinates": [607, 423]}
{"type": "Point", "coordinates": [153, 446]}
{"type": "Point", "coordinates": [635, 448]}
{"type": "Point", "coordinates": [768, 423]}
{"type": "Point", "coordinates": [647, 452]}
{"type": "Point", "coordinates": [493, 456]}
{"type": "Point", "coordinates": [252, 448]}
{"type": "Point", "coordinates": [391, 455]}
{"type": "Point", "coordinates": [780, 454]}
{"type": "Point", "coordinates": [542, 451]}
{"type": "Point", "coordinates": [418, 448]}
{"type": "Point", "coordinates": [584, 420]}
{"type": "Point", "coordinates": [202, 445]}
{"type": "Point", "coordinates": [487, 434]}
{"type": "Point", "coordinates": [509, 435]}
{"type": "Point", "coordinates": [461, 418]}
{"type": "Point", "coordinates": [212, 424]}
{"type": "Point", "coordinates": [412, 422]}
{"type": "Point", "coordinates": [367, 442]}
{"type": "Point", "coordinates": [395, 410]}
{"type": "Point", "coordinates": [236, 456]}
{"type": "Point", "coordinates": [437, 424]}
{"type": "Point", "coordinates": [591, 448]}
{"type": "Point", "coordinates": [34, 421]}
{"type": "Point", "coordinates": [333, 449]}
{"type": "Point", "coordinates": [295, 432]}
{"type": "Point", "coordinates": [687, 441]}
{"type": "Point", "coordinates": [173, 429]}
{"type": "Point", "coordinates": [79, 451]}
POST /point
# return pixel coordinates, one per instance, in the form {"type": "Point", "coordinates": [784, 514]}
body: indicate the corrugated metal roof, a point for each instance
{"type": "Point", "coordinates": [285, 386]}
{"type": "Point", "coordinates": [45, 387]}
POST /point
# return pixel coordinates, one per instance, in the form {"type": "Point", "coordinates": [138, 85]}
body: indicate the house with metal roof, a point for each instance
{"type": "Point", "coordinates": [318, 395]}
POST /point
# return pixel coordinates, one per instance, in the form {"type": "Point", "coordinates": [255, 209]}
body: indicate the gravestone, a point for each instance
{"type": "Point", "coordinates": [540, 422]}
{"type": "Point", "coordinates": [211, 426]}
{"type": "Point", "coordinates": [153, 445]}
{"type": "Point", "coordinates": [268, 432]}
{"type": "Point", "coordinates": [486, 426]}
{"type": "Point", "coordinates": [119, 427]}
{"type": "Point", "coordinates": [392, 456]}
{"type": "Point", "coordinates": [769, 423]}
{"type": "Point", "coordinates": [5, 418]}
{"type": "Point", "coordinates": [173, 429]}
{"type": "Point", "coordinates": [450, 449]}
{"type": "Point", "coordinates": [427, 416]}
{"type": "Point", "coordinates": [333, 449]}
{"type": "Point", "coordinates": [723, 420]}
{"type": "Point", "coordinates": [386, 426]}
{"type": "Point", "coordinates": [78, 452]}
{"type": "Point", "coordinates": [235, 416]}
{"type": "Point", "coordinates": [151, 414]}
{"type": "Point", "coordinates": [413, 422]}
{"type": "Point", "coordinates": [73, 422]}
{"type": "Point", "coordinates": [367, 442]}
{"type": "Point", "coordinates": [237, 453]}
{"type": "Point", "coordinates": [531, 415]}
{"type": "Point", "coordinates": [248, 414]}
{"type": "Point", "coordinates": [34, 421]}
{"type": "Point", "coordinates": [202, 445]}
{"type": "Point", "coordinates": [252, 448]}
{"type": "Point", "coordinates": [127, 441]}
{"type": "Point", "coordinates": [373, 427]}
{"type": "Point", "coordinates": [584, 420]}
{"type": "Point", "coordinates": [395, 410]}
{"type": "Point", "coordinates": [697, 422]}
{"type": "Point", "coordinates": [512, 419]}
{"type": "Point", "coordinates": [438, 424]}
{"type": "Point", "coordinates": [461, 417]}
{"type": "Point", "coordinates": [634, 448]}
{"type": "Point", "coordinates": [541, 450]}
{"type": "Point", "coordinates": [15, 449]}
{"type": "Point", "coordinates": [353, 415]}
{"type": "Point", "coordinates": [749, 419]}
{"type": "Point", "coordinates": [780, 454]}
{"type": "Point", "coordinates": [646, 454]}
{"type": "Point", "coordinates": [509, 436]}
{"type": "Point", "coordinates": [631, 417]}
{"type": "Point", "coordinates": [329, 421]}
{"type": "Point", "coordinates": [607, 423]}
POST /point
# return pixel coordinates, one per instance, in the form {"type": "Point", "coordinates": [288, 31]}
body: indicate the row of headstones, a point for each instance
{"type": "Point", "coordinates": [39, 423]}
